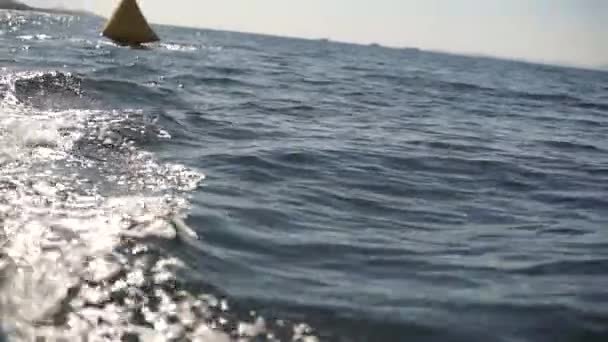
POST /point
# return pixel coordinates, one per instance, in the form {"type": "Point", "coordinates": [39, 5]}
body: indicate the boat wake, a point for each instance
{"type": "Point", "coordinates": [87, 215]}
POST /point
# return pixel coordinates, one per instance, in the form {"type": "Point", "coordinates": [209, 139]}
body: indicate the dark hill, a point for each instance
{"type": "Point", "coordinates": [18, 6]}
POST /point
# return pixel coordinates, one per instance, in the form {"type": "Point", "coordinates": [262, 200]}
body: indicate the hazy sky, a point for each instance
{"type": "Point", "coordinates": [555, 31]}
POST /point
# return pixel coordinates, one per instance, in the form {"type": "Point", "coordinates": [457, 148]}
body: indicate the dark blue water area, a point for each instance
{"type": "Point", "coordinates": [377, 194]}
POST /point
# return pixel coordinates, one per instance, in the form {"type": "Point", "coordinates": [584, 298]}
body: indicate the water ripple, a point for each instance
{"type": "Point", "coordinates": [374, 194]}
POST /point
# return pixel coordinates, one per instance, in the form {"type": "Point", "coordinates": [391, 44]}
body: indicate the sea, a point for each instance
{"type": "Point", "coordinates": [223, 186]}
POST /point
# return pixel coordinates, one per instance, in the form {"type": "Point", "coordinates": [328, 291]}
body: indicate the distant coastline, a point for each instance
{"type": "Point", "coordinates": [18, 6]}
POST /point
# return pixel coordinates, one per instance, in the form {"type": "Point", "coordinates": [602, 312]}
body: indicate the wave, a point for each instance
{"type": "Point", "coordinates": [563, 99]}
{"type": "Point", "coordinates": [46, 90]}
{"type": "Point", "coordinates": [35, 37]}
{"type": "Point", "coordinates": [131, 71]}
{"type": "Point", "coordinates": [223, 81]}
{"type": "Point", "coordinates": [88, 217]}
{"type": "Point", "coordinates": [562, 268]}
{"type": "Point", "coordinates": [571, 146]}
{"type": "Point", "coordinates": [357, 68]}
{"type": "Point", "coordinates": [178, 47]}
{"type": "Point", "coordinates": [56, 91]}
{"type": "Point", "coordinates": [74, 192]}
{"type": "Point", "coordinates": [226, 70]}
{"type": "Point", "coordinates": [452, 87]}
{"type": "Point", "coordinates": [125, 93]}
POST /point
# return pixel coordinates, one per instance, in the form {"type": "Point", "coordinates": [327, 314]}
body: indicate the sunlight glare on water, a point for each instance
{"type": "Point", "coordinates": [352, 193]}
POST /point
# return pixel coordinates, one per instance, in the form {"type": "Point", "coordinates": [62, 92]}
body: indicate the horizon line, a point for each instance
{"type": "Point", "coordinates": [601, 67]}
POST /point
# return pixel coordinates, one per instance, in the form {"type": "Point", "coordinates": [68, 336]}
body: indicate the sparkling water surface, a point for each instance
{"type": "Point", "coordinates": [223, 186]}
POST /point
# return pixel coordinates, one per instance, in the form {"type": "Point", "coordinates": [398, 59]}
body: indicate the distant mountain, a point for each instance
{"type": "Point", "coordinates": [14, 5]}
{"type": "Point", "coordinates": [18, 6]}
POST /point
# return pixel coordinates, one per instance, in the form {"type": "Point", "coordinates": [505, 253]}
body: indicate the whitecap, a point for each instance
{"type": "Point", "coordinates": [178, 47]}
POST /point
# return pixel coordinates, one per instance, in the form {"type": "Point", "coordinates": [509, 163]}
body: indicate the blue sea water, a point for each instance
{"type": "Point", "coordinates": [220, 186]}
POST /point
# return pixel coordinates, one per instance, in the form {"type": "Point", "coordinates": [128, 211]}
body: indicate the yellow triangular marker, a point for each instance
{"type": "Point", "coordinates": [128, 25]}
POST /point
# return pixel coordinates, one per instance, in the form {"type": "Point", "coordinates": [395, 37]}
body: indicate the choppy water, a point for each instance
{"type": "Point", "coordinates": [352, 193]}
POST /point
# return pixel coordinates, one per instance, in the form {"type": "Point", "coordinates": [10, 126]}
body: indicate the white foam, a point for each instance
{"type": "Point", "coordinates": [40, 36]}
{"type": "Point", "coordinates": [178, 47]}
{"type": "Point", "coordinates": [77, 200]}
{"type": "Point", "coordinates": [59, 228]}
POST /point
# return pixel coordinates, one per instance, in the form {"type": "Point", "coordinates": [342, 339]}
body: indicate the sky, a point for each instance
{"type": "Point", "coordinates": [551, 31]}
